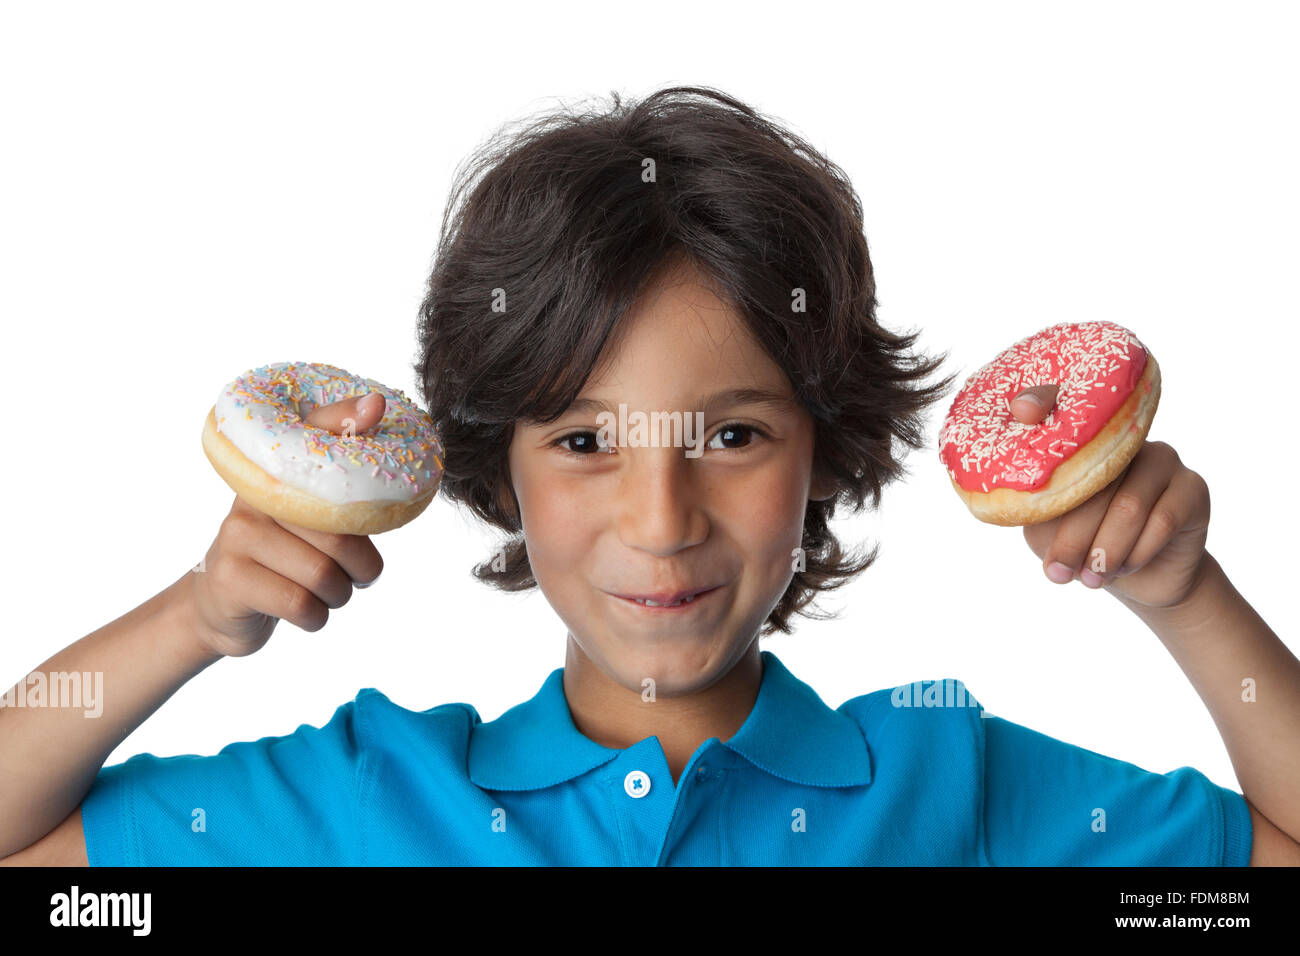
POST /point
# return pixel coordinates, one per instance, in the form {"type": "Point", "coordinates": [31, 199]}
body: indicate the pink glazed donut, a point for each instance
{"type": "Point", "coordinates": [1010, 473]}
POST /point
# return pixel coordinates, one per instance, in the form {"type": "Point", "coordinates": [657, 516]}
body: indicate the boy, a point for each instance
{"type": "Point", "coordinates": [649, 258]}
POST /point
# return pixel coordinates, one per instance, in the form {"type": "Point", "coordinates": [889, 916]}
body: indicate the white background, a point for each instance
{"type": "Point", "coordinates": [190, 190]}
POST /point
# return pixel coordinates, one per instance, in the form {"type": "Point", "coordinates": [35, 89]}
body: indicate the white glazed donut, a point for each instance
{"type": "Point", "coordinates": [256, 439]}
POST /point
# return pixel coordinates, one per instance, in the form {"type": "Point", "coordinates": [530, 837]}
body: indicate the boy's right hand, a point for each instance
{"type": "Point", "coordinates": [260, 570]}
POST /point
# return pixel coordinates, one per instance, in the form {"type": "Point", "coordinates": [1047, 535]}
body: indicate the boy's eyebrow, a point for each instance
{"type": "Point", "coordinates": [720, 399]}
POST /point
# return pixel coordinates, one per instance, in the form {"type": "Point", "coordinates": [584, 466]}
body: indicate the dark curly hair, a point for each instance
{"type": "Point", "coordinates": [569, 216]}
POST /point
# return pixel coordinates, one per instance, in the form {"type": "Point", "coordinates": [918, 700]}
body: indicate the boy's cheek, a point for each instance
{"type": "Point", "coordinates": [769, 539]}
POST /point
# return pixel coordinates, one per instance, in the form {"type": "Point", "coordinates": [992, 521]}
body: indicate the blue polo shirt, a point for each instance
{"type": "Point", "coordinates": [912, 775]}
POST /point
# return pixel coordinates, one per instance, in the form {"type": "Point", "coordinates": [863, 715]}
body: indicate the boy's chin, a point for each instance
{"type": "Point", "coordinates": [675, 667]}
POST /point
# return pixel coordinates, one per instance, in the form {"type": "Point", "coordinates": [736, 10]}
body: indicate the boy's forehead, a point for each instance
{"type": "Point", "coordinates": [699, 372]}
{"type": "Point", "coordinates": [682, 346]}
{"type": "Point", "coordinates": [681, 300]}
{"type": "Point", "coordinates": [684, 340]}
{"type": "Point", "coordinates": [713, 398]}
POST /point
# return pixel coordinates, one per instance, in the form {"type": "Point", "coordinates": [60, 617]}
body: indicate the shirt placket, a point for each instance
{"type": "Point", "coordinates": [646, 802]}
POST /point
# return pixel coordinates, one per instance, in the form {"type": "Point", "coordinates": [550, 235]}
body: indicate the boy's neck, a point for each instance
{"type": "Point", "coordinates": [614, 715]}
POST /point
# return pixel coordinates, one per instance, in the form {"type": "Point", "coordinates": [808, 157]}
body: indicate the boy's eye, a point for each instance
{"type": "Point", "coordinates": [585, 443]}
{"type": "Point", "coordinates": [735, 433]}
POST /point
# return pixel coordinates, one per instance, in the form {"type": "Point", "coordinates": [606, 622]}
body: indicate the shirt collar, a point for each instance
{"type": "Point", "coordinates": [789, 733]}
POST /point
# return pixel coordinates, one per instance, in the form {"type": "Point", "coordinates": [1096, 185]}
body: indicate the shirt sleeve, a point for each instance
{"type": "Point", "coordinates": [277, 801]}
{"type": "Point", "coordinates": [1050, 803]}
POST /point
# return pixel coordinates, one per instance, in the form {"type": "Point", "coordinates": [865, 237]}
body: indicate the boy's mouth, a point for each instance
{"type": "Point", "coordinates": [666, 602]}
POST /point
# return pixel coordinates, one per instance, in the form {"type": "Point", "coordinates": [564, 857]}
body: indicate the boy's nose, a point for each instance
{"type": "Point", "coordinates": [659, 507]}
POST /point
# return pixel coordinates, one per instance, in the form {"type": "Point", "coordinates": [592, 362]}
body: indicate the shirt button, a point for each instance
{"type": "Point", "coordinates": [636, 784]}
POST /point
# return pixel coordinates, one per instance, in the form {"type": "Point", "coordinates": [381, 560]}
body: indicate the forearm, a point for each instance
{"type": "Point", "coordinates": [50, 754]}
{"type": "Point", "coordinates": [1221, 643]}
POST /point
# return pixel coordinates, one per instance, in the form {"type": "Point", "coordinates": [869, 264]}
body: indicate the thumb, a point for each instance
{"type": "Point", "coordinates": [351, 415]}
{"type": "Point", "coordinates": [1031, 405]}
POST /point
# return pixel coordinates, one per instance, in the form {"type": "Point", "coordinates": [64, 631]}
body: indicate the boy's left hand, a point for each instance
{"type": "Point", "coordinates": [1141, 537]}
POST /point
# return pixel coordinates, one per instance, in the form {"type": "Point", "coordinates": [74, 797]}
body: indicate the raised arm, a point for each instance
{"type": "Point", "coordinates": [256, 572]}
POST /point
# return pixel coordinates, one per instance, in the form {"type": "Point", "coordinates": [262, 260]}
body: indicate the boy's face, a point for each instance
{"type": "Point", "coordinates": [648, 519]}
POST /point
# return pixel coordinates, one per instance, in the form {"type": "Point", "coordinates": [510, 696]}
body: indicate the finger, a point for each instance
{"type": "Point", "coordinates": [1183, 504]}
{"type": "Point", "coordinates": [349, 416]}
{"type": "Point", "coordinates": [1142, 485]}
{"type": "Point", "coordinates": [1075, 534]}
{"type": "Point", "coordinates": [1033, 404]}
{"type": "Point", "coordinates": [356, 554]}
{"type": "Point", "coordinates": [289, 556]}
{"type": "Point", "coordinates": [276, 595]}
{"type": "Point", "coordinates": [1039, 536]}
